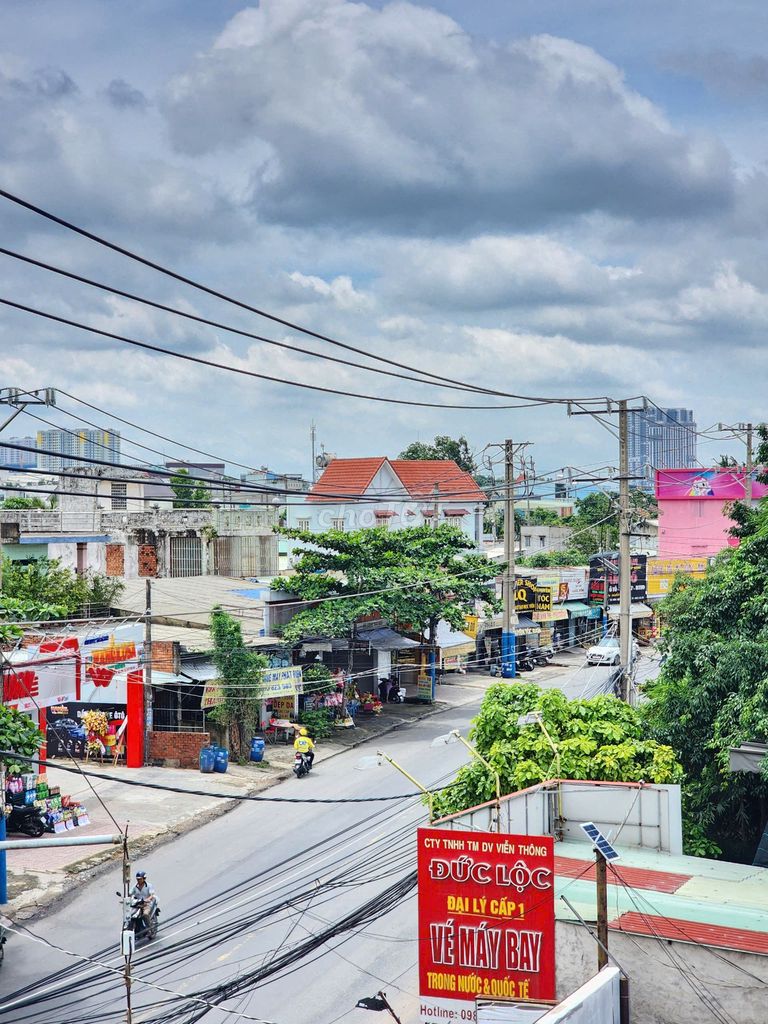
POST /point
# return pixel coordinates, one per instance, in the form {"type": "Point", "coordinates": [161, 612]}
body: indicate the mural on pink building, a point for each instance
{"type": "Point", "coordinates": [692, 509]}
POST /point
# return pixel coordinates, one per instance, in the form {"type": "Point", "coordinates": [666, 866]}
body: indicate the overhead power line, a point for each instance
{"type": "Point", "coordinates": [475, 389]}
{"type": "Point", "coordinates": [147, 346]}
{"type": "Point", "coordinates": [40, 212]}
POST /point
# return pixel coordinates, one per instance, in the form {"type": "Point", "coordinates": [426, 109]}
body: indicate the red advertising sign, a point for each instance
{"type": "Point", "coordinates": [486, 920]}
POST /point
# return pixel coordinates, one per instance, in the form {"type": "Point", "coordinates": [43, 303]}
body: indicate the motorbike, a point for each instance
{"type": "Point", "coordinates": [301, 764]}
{"type": "Point", "coordinates": [26, 819]}
{"type": "Point", "coordinates": [137, 921]}
{"type": "Point", "coordinates": [544, 655]}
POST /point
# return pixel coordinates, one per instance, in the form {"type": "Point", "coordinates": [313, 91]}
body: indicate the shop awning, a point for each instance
{"type": "Point", "coordinates": [748, 757]}
{"type": "Point", "coordinates": [577, 609]}
{"type": "Point", "coordinates": [453, 640]}
{"type": "Point", "coordinates": [525, 624]}
{"type": "Point", "coordinates": [385, 639]}
{"type": "Point", "coordinates": [636, 611]}
{"type": "Point", "coordinates": [555, 614]}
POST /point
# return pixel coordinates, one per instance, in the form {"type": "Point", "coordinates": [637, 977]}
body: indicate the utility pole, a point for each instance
{"type": "Point", "coordinates": [744, 428]}
{"type": "Point", "coordinates": [314, 453]}
{"type": "Point", "coordinates": [608, 407]}
{"type": "Point", "coordinates": [148, 700]}
{"type": "Point", "coordinates": [601, 883]}
{"type": "Point", "coordinates": [625, 558]}
{"type": "Point", "coordinates": [435, 504]}
{"type": "Point", "coordinates": [509, 624]}
{"type": "Point", "coordinates": [127, 936]}
{"type": "Point", "coordinates": [508, 638]}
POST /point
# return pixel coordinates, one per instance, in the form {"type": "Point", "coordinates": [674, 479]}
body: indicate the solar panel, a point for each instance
{"type": "Point", "coordinates": [601, 844]}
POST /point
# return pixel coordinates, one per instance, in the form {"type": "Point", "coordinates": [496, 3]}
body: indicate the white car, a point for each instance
{"type": "Point", "coordinates": [607, 652]}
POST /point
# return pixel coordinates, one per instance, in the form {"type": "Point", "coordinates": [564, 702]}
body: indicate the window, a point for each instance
{"type": "Point", "coordinates": [118, 493]}
{"type": "Point", "coordinates": [527, 540]}
{"type": "Point", "coordinates": [302, 524]}
{"type": "Point", "coordinates": [542, 540]}
{"type": "Point", "coordinates": [337, 524]}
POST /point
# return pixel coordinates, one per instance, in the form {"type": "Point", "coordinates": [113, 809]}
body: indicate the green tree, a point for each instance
{"type": "Point", "coordinates": [552, 559]}
{"type": "Point", "coordinates": [20, 502]}
{"type": "Point", "coordinates": [599, 738]}
{"type": "Point", "coordinates": [53, 589]}
{"type": "Point", "coordinates": [595, 523]}
{"type": "Point", "coordinates": [443, 447]}
{"type": "Point", "coordinates": [543, 517]}
{"type": "Point", "coordinates": [412, 578]}
{"type": "Point", "coordinates": [18, 735]}
{"type": "Point", "coordinates": [726, 462]}
{"type": "Point", "coordinates": [189, 492]}
{"type": "Point", "coordinates": [240, 672]}
{"type": "Point", "coordinates": [712, 690]}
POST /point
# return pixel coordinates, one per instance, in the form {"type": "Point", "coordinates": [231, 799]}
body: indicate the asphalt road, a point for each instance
{"type": "Point", "coordinates": [241, 891]}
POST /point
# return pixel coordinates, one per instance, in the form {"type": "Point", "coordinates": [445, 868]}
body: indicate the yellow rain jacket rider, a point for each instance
{"type": "Point", "coordinates": [303, 743]}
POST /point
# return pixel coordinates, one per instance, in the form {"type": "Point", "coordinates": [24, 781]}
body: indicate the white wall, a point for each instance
{"type": "Point", "coordinates": [96, 555]}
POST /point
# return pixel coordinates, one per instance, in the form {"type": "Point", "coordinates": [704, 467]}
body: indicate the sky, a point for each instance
{"type": "Point", "coordinates": [549, 199]}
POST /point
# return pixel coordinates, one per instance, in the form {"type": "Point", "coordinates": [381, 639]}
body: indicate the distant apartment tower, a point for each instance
{"type": "Point", "coordinates": [660, 439]}
{"type": "Point", "coordinates": [77, 444]}
{"type": "Point", "coordinates": [11, 458]}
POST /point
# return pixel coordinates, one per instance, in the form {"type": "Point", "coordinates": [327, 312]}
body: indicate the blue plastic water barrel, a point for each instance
{"type": "Point", "coordinates": [221, 760]}
{"type": "Point", "coordinates": [257, 748]}
{"type": "Point", "coordinates": [207, 759]}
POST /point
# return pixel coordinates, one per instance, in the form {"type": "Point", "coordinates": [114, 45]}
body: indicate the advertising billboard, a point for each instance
{"type": "Point", "coordinates": [529, 597]}
{"type": "Point", "coordinates": [604, 579]}
{"type": "Point", "coordinates": [39, 682]}
{"type": "Point", "coordinates": [107, 658]}
{"type": "Point", "coordinates": [662, 572]}
{"type": "Point", "coordinates": [65, 734]}
{"type": "Point", "coordinates": [712, 484]}
{"type": "Point", "coordinates": [566, 584]}
{"type": "Point", "coordinates": [486, 920]}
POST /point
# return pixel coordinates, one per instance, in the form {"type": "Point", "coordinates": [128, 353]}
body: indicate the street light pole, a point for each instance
{"type": "Point", "coordinates": [427, 793]}
{"type": "Point", "coordinates": [508, 638]}
{"type": "Point", "coordinates": [456, 735]}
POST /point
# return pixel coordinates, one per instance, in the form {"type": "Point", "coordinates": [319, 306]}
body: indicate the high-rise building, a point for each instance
{"type": "Point", "coordinates": [11, 458]}
{"type": "Point", "coordinates": [77, 444]}
{"type": "Point", "coordinates": [660, 439]}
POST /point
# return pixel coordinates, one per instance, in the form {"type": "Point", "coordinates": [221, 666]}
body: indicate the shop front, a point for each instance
{"type": "Point", "coordinates": [584, 622]}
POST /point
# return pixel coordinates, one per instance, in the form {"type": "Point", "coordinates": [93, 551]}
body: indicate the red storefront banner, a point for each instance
{"type": "Point", "coordinates": [486, 920]}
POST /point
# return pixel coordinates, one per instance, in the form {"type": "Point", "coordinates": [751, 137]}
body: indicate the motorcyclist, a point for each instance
{"type": "Point", "coordinates": [144, 890]}
{"type": "Point", "coordinates": [303, 743]}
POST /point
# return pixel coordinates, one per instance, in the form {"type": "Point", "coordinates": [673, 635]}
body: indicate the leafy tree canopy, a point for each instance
{"type": "Point", "coordinates": [18, 734]}
{"type": "Point", "coordinates": [20, 502]}
{"type": "Point", "coordinates": [712, 689]}
{"type": "Point", "coordinates": [542, 517]}
{"type": "Point", "coordinates": [411, 577]}
{"type": "Point", "coordinates": [240, 672]}
{"type": "Point", "coordinates": [443, 447]}
{"type": "Point", "coordinates": [189, 492]}
{"type": "Point", "coordinates": [550, 559]}
{"type": "Point", "coordinates": [45, 589]}
{"type": "Point", "coordinates": [599, 738]}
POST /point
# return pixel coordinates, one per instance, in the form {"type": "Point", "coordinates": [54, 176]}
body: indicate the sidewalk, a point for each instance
{"type": "Point", "coordinates": [37, 878]}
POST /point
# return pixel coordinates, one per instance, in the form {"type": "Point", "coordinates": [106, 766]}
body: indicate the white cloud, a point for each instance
{"type": "Point", "coordinates": [340, 290]}
{"type": "Point", "coordinates": [397, 117]}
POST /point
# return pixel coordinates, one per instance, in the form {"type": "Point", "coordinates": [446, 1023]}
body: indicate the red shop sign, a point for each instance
{"type": "Point", "coordinates": [486, 919]}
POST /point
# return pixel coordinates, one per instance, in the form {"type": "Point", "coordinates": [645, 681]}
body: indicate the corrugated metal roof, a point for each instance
{"type": "Point", "coordinates": [720, 936]}
{"type": "Point", "coordinates": [638, 878]}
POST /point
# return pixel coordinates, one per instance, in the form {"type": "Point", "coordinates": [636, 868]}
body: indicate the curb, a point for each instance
{"type": "Point", "coordinates": [98, 863]}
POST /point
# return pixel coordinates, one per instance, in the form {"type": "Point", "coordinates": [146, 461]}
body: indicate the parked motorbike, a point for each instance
{"type": "Point", "coordinates": [26, 819]}
{"type": "Point", "coordinates": [301, 764]}
{"type": "Point", "coordinates": [544, 655]}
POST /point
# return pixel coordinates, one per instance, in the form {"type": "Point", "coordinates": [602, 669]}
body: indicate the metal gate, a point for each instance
{"type": "Point", "coordinates": [186, 556]}
{"type": "Point", "coordinates": [245, 556]}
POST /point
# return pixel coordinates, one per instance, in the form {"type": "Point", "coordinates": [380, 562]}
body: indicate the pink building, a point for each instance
{"type": "Point", "coordinates": [693, 504]}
